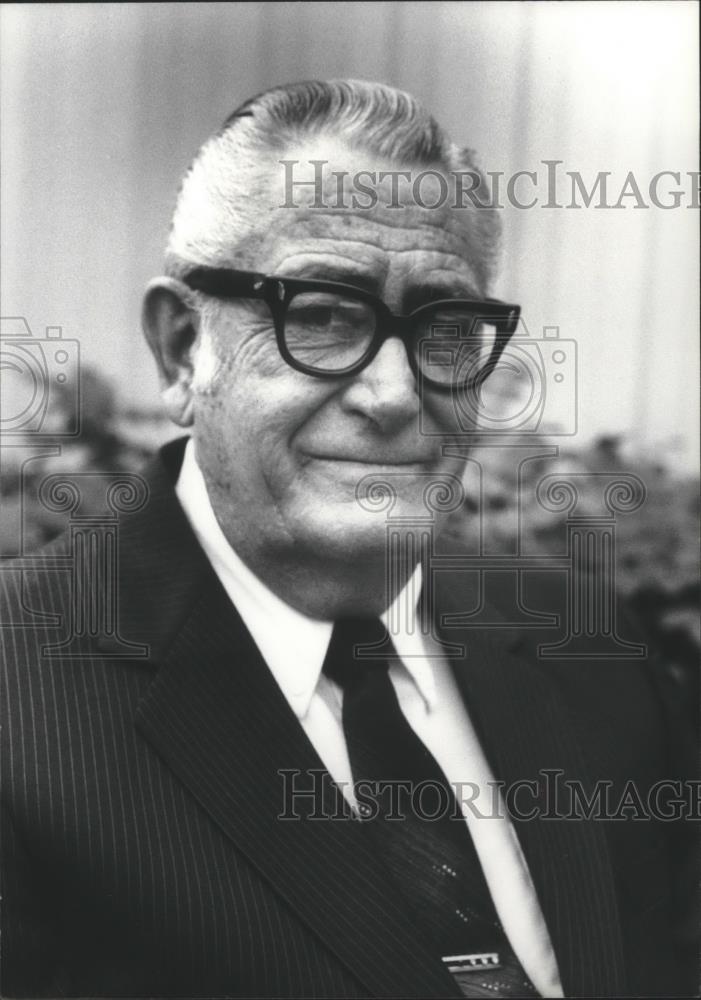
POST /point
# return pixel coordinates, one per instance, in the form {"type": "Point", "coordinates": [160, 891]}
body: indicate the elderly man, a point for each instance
{"type": "Point", "coordinates": [223, 816]}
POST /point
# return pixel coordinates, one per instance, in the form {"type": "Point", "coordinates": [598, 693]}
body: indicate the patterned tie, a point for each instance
{"type": "Point", "coordinates": [430, 855]}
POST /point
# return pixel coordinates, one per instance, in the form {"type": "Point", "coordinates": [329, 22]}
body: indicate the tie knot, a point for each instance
{"type": "Point", "coordinates": [358, 647]}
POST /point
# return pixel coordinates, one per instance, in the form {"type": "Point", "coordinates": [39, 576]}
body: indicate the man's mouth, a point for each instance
{"type": "Point", "coordinates": [376, 461]}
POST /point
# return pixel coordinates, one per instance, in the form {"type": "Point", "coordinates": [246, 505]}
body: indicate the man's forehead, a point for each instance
{"type": "Point", "coordinates": [363, 243]}
{"type": "Point", "coordinates": [313, 206]}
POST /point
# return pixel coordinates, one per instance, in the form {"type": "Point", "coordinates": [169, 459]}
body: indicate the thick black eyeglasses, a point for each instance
{"type": "Point", "coordinates": [330, 330]}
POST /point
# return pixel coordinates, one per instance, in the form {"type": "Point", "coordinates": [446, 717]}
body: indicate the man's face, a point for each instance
{"type": "Point", "coordinates": [282, 452]}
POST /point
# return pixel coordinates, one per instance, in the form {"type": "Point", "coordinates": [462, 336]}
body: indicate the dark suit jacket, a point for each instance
{"type": "Point", "coordinates": [142, 847]}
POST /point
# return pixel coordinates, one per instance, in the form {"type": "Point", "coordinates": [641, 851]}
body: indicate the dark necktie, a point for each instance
{"type": "Point", "coordinates": [430, 855]}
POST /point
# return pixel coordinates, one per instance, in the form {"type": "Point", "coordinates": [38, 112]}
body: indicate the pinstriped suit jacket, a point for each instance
{"type": "Point", "coordinates": [142, 850]}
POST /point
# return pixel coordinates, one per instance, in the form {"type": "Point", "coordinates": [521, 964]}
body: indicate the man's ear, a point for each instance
{"type": "Point", "coordinates": [171, 325]}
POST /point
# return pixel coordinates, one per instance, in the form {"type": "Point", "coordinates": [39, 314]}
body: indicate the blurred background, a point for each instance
{"type": "Point", "coordinates": [104, 106]}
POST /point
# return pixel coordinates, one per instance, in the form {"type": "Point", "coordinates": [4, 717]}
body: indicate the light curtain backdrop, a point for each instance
{"type": "Point", "coordinates": [104, 105]}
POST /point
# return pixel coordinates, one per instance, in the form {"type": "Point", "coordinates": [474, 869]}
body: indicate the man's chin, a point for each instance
{"type": "Point", "coordinates": [345, 541]}
{"type": "Point", "coordinates": [339, 534]}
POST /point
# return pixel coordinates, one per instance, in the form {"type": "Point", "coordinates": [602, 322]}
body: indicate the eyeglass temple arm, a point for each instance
{"type": "Point", "coordinates": [225, 283]}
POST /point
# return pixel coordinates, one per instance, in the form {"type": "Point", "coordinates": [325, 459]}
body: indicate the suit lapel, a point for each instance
{"type": "Point", "coordinates": [217, 717]}
{"type": "Point", "coordinates": [161, 564]}
{"type": "Point", "coordinates": [524, 730]}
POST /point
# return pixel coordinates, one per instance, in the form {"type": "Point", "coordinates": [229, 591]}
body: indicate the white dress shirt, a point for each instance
{"type": "Point", "coordinates": [294, 648]}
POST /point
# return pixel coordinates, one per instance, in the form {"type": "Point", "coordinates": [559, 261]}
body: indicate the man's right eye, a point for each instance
{"type": "Point", "coordinates": [328, 311]}
{"type": "Point", "coordinates": [318, 316]}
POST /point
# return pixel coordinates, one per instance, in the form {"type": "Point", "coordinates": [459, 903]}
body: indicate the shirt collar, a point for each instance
{"type": "Point", "coordinates": [293, 645]}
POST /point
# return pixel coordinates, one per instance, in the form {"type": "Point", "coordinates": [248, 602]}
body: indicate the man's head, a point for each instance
{"type": "Point", "coordinates": [282, 450]}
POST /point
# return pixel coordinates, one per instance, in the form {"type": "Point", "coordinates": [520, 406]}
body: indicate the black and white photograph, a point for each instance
{"type": "Point", "coordinates": [349, 464]}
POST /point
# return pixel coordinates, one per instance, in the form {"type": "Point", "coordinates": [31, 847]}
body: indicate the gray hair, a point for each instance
{"type": "Point", "coordinates": [218, 192]}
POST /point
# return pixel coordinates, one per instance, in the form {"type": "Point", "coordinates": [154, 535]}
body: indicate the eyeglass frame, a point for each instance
{"type": "Point", "coordinates": [278, 291]}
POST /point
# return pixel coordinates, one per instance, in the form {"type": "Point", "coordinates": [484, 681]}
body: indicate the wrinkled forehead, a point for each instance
{"type": "Point", "coordinates": [323, 206]}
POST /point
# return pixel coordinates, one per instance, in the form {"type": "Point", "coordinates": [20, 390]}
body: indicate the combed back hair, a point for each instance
{"type": "Point", "coordinates": [217, 205]}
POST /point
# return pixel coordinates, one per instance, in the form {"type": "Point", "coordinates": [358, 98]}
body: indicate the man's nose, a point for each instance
{"type": "Point", "coordinates": [386, 391]}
